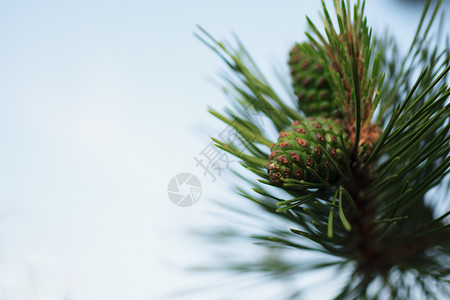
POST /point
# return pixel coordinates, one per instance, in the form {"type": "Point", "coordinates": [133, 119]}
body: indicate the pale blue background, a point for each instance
{"type": "Point", "coordinates": [101, 103]}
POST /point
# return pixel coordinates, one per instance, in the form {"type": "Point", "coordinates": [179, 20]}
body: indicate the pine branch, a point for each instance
{"type": "Point", "coordinates": [350, 181]}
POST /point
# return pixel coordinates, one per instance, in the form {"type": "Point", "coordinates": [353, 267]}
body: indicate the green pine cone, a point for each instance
{"type": "Point", "coordinates": [302, 146]}
{"type": "Point", "coordinates": [310, 85]}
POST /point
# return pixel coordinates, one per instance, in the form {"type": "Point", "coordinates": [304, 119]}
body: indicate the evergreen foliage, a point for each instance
{"type": "Point", "coordinates": [366, 207]}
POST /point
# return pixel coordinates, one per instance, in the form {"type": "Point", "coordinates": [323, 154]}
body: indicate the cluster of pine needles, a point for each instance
{"type": "Point", "coordinates": [378, 226]}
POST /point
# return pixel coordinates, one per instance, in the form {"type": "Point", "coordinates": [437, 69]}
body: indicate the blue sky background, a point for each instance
{"type": "Point", "coordinates": [101, 104]}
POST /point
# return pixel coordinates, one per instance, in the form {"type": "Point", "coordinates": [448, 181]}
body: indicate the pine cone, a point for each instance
{"type": "Point", "coordinates": [299, 147]}
{"type": "Point", "coordinates": [310, 85]}
{"type": "Point", "coordinates": [370, 134]}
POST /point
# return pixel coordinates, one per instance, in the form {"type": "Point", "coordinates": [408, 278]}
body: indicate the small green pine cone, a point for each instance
{"type": "Point", "coordinates": [310, 85]}
{"type": "Point", "coordinates": [299, 147]}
